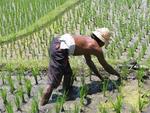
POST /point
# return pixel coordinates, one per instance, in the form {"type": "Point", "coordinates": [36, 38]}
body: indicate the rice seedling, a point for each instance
{"type": "Point", "coordinates": [9, 108]}
{"type": "Point", "coordinates": [124, 72]}
{"type": "Point", "coordinates": [102, 108]}
{"type": "Point", "coordinates": [83, 94]}
{"type": "Point", "coordinates": [23, 15]}
{"type": "Point", "coordinates": [11, 83]}
{"type": "Point", "coordinates": [3, 78]}
{"type": "Point", "coordinates": [105, 86]}
{"type": "Point", "coordinates": [76, 109]}
{"type": "Point", "coordinates": [21, 94]}
{"type": "Point", "coordinates": [140, 75]}
{"type": "Point", "coordinates": [19, 79]}
{"type": "Point", "coordinates": [35, 73]}
{"type": "Point", "coordinates": [117, 105]}
{"type": "Point", "coordinates": [28, 86]}
{"type": "Point", "coordinates": [59, 103]}
{"type": "Point", "coordinates": [142, 102]}
{"type": "Point", "coordinates": [34, 106]}
{"type": "Point", "coordinates": [133, 110]}
{"type": "Point", "coordinates": [17, 101]}
{"type": "Point", "coordinates": [4, 96]}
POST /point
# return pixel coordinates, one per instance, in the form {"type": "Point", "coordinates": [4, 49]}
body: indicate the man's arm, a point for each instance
{"type": "Point", "coordinates": [105, 65]}
{"type": "Point", "coordinates": [92, 66]}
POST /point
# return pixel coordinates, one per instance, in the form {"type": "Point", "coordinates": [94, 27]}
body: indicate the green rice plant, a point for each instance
{"type": "Point", "coordinates": [34, 106]}
{"type": "Point", "coordinates": [124, 72]}
{"type": "Point", "coordinates": [28, 86]}
{"type": "Point", "coordinates": [140, 75]}
{"type": "Point", "coordinates": [59, 103]}
{"type": "Point", "coordinates": [143, 100]}
{"type": "Point", "coordinates": [35, 73]}
{"type": "Point", "coordinates": [11, 84]}
{"type": "Point", "coordinates": [133, 110]}
{"type": "Point", "coordinates": [83, 93]}
{"type": "Point", "coordinates": [105, 86]}
{"type": "Point", "coordinates": [9, 68]}
{"type": "Point", "coordinates": [19, 78]}
{"type": "Point", "coordinates": [17, 102]}
{"type": "Point", "coordinates": [4, 96]}
{"type": "Point", "coordinates": [102, 108]}
{"type": "Point", "coordinates": [3, 78]}
{"type": "Point", "coordinates": [9, 108]}
{"type": "Point", "coordinates": [131, 52]}
{"type": "Point", "coordinates": [76, 109]}
{"type": "Point", "coordinates": [117, 105]}
{"type": "Point", "coordinates": [21, 94]}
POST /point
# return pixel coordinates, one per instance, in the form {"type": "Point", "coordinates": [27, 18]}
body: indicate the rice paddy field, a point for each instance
{"type": "Point", "coordinates": [28, 26]}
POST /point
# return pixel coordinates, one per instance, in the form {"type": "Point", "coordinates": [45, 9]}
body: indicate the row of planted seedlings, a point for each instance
{"type": "Point", "coordinates": [131, 31]}
{"type": "Point", "coordinates": [34, 45]}
{"type": "Point", "coordinates": [20, 89]}
{"type": "Point", "coordinates": [73, 21]}
{"type": "Point", "coordinates": [15, 16]}
{"type": "Point", "coordinates": [118, 103]}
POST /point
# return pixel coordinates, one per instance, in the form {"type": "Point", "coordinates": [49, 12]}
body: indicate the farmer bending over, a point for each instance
{"type": "Point", "coordinates": [67, 44]}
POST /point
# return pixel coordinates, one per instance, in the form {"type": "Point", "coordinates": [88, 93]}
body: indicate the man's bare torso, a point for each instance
{"type": "Point", "coordinates": [85, 45]}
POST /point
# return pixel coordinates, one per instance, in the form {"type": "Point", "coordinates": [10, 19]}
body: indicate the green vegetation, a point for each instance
{"type": "Point", "coordinates": [28, 86]}
{"type": "Point", "coordinates": [117, 105]}
{"type": "Point", "coordinates": [4, 96]}
{"type": "Point", "coordinates": [27, 28]}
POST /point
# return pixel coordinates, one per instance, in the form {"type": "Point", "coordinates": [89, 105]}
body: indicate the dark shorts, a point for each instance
{"type": "Point", "coordinates": [59, 64]}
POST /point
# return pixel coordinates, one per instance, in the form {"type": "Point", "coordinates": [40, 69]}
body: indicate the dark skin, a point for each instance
{"type": "Point", "coordinates": [86, 46]}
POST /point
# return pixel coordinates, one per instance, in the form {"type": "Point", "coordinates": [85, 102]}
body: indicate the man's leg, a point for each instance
{"type": "Point", "coordinates": [68, 79]}
{"type": "Point", "coordinates": [46, 94]}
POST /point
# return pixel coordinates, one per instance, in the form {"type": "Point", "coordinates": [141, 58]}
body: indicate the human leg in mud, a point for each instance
{"type": "Point", "coordinates": [58, 58]}
{"type": "Point", "coordinates": [68, 79]}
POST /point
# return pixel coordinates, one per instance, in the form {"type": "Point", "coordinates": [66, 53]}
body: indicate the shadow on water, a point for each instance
{"type": "Point", "coordinates": [93, 88]}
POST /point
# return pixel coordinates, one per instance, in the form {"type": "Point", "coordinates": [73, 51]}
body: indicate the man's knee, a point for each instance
{"type": "Point", "coordinates": [48, 88]}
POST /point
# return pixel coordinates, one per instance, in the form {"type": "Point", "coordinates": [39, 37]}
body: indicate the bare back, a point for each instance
{"type": "Point", "coordinates": [85, 45]}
